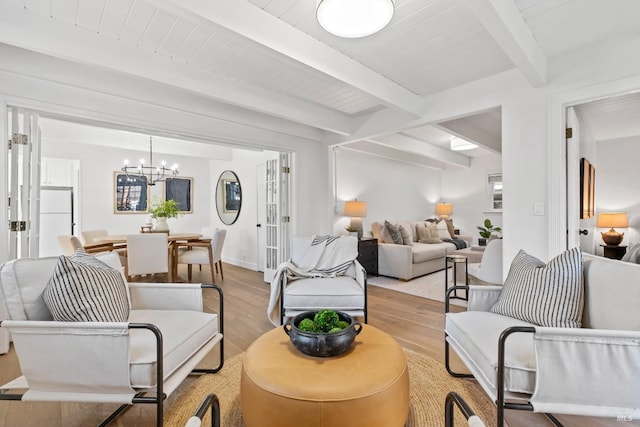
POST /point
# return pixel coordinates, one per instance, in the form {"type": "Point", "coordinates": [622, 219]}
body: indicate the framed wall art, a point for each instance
{"type": "Point", "coordinates": [180, 189]}
{"type": "Point", "coordinates": [587, 189]}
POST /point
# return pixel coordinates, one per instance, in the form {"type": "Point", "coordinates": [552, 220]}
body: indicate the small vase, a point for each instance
{"type": "Point", "coordinates": [162, 225]}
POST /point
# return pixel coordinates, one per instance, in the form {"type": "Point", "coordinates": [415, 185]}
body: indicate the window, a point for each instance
{"type": "Point", "coordinates": [494, 191]}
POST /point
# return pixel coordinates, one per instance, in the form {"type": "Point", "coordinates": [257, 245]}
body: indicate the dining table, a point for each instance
{"type": "Point", "coordinates": [174, 240]}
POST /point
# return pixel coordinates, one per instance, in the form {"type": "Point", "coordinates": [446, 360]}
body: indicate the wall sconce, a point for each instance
{"type": "Point", "coordinates": [444, 210]}
{"type": "Point", "coordinates": [356, 209]}
{"type": "Point", "coordinates": [612, 219]}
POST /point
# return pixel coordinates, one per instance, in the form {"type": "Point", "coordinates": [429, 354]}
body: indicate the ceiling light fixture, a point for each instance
{"type": "Point", "coordinates": [354, 18]}
{"type": "Point", "coordinates": [459, 144]}
{"type": "Point", "coordinates": [152, 173]}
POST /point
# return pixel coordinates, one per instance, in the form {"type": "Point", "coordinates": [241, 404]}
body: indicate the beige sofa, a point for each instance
{"type": "Point", "coordinates": [408, 261]}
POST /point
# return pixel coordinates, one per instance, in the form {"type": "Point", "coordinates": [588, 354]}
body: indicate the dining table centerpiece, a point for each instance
{"type": "Point", "coordinates": [163, 210]}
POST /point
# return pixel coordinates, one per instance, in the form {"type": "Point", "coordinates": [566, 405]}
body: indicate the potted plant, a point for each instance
{"type": "Point", "coordinates": [163, 210]}
{"type": "Point", "coordinates": [487, 231]}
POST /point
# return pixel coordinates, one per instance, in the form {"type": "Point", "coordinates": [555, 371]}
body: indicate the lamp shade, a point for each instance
{"type": "Point", "coordinates": [355, 208]}
{"type": "Point", "coordinates": [443, 210]}
{"type": "Point", "coordinates": [354, 18]}
{"type": "Point", "coordinates": [612, 220]}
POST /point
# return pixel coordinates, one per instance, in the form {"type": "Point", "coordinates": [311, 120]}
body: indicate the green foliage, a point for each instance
{"type": "Point", "coordinates": [342, 324]}
{"type": "Point", "coordinates": [307, 325]}
{"type": "Point", "coordinates": [167, 209]}
{"type": "Point", "coordinates": [351, 229]}
{"type": "Point", "coordinates": [488, 229]}
{"type": "Point", "coordinates": [326, 320]}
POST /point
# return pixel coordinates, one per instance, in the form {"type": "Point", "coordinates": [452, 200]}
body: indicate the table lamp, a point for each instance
{"type": "Point", "coordinates": [444, 210]}
{"type": "Point", "coordinates": [356, 209]}
{"type": "Point", "coordinates": [612, 219]}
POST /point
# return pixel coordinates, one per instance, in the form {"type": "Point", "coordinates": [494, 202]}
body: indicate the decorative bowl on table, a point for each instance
{"type": "Point", "coordinates": [321, 333]}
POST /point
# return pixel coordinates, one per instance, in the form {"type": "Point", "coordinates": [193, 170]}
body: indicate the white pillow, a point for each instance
{"type": "Point", "coordinates": [549, 294]}
{"type": "Point", "coordinates": [84, 289]}
{"type": "Point", "coordinates": [443, 231]}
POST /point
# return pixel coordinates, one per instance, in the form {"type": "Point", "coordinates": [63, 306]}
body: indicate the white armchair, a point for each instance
{"type": "Point", "coordinates": [489, 269]}
{"type": "Point", "coordinates": [142, 360]}
{"type": "Point", "coordinates": [591, 370]}
{"type": "Point", "coordinates": [346, 293]}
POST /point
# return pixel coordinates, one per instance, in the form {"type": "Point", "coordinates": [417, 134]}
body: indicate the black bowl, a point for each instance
{"type": "Point", "coordinates": [322, 344]}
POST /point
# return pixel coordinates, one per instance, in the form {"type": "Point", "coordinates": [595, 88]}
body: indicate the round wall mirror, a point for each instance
{"type": "Point", "coordinates": [228, 197]}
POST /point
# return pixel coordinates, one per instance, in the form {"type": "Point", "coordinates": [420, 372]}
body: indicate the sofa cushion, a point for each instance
{"type": "Point", "coordinates": [407, 237]}
{"type": "Point", "coordinates": [391, 234]}
{"type": "Point", "coordinates": [443, 231]}
{"type": "Point", "coordinates": [425, 252]}
{"type": "Point", "coordinates": [85, 289]}
{"type": "Point", "coordinates": [475, 335]}
{"type": "Point", "coordinates": [338, 293]}
{"type": "Point", "coordinates": [183, 333]}
{"type": "Point", "coordinates": [546, 295]}
{"type": "Point", "coordinates": [428, 234]}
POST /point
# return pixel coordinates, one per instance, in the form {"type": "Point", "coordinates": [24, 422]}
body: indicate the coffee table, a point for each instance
{"type": "Point", "coordinates": [367, 386]}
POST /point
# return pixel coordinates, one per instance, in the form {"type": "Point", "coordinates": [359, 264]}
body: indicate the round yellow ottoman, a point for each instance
{"type": "Point", "coordinates": [367, 386]}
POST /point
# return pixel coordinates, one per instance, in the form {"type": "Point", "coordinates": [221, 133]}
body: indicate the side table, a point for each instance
{"type": "Point", "coordinates": [368, 255]}
{"type": "Point", "coordinates": [614, 252]}
{"type": "Point", "coordinates": [454, 261]}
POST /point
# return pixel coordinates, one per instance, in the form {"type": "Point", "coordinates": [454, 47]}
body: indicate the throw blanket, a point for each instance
{"type": "Point", "coordinates": [460, 244]}
{"type": "Point", "coordinates": [326, 256]}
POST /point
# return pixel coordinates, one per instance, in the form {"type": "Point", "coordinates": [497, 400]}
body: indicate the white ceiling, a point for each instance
{"type": "Point", "coordinates": [272, 57]}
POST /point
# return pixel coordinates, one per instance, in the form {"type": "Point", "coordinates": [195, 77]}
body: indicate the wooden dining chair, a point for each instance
{"type": "Point", "coordinates": [147, 253]}
{"type": "Point", "coordinates": [69, 244]}
{"type": "Point", "coordinates": [203, 251]}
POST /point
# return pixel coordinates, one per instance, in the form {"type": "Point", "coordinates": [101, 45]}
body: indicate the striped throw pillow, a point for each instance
{"type": "Point", "coordinates": [545, 295]}
{"type": "Point", "coordinates": [84, 289]}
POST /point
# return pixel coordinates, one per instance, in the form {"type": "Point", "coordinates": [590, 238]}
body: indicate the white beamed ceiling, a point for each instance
{"type": "Point", "coordinates": [272, 57]}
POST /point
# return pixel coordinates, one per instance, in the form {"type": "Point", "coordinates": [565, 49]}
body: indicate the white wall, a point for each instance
{"type": "Point", "coordinates": [96, 187]}
{"type": "Point", "coordinates": [241, 244]}
{"type": "Point", "coordinates": [393, 190]}
{"type": "Point", "coordinates": [617, 177]}
{"type": "Point", "coordinates": [466, 189]}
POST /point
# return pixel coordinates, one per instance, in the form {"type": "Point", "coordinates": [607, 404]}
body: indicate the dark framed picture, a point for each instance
{"type": "Point", "coordinates": [130, 193]}
{"type": "Point", "coordinates": [587, 189]}
{"type": "Point", "coordinates": [180, 189]}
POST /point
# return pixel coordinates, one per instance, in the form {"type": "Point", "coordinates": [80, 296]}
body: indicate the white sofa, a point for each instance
{"type": "Point", "coordinates": [592, 370]}
{"type": "Point", "coordinates": [407, 262]}
{"type": "Point", "coordinates": [166, 336]}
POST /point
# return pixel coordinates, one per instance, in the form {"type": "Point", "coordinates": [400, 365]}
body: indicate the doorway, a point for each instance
{"type": "Point", "coordinates": [605, 132]}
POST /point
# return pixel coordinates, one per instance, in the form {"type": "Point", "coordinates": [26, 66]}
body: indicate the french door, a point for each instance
{"type": "Point", "coordinates": [277, 218]}
{"type": "Point", "coordinates": [23, 182]}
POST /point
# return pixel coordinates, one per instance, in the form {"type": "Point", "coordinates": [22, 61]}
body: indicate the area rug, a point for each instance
{"type": "Point", "coordinates": [430, 286]}
{"type": "Point", "coordinates": [428, 379]}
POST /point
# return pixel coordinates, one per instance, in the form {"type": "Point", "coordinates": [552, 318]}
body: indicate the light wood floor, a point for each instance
{"type": "Point", "coordinates": [416, 323]}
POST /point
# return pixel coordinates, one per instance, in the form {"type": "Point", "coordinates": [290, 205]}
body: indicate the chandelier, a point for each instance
{"type": "Point", "coordinates": [354, 18]}
{"type": "Point", "coordinates": [152, 173]}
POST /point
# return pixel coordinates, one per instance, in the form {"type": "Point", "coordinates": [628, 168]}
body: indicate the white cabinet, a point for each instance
{"type": "Point", "coordinates": [56, 172]}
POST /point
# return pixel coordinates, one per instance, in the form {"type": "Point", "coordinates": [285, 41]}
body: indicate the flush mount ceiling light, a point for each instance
{"type": "Point", "coordinates": [354, 18]}
{"type": "Point", "coordinates": [459, 144]}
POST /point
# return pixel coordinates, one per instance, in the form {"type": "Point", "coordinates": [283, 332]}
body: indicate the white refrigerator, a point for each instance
{"type": "Point", "coordinates": [56, 218]}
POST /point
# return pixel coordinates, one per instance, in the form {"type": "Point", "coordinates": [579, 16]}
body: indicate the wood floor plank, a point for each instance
{"type": "Point", "coordinates": [417, 324]}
